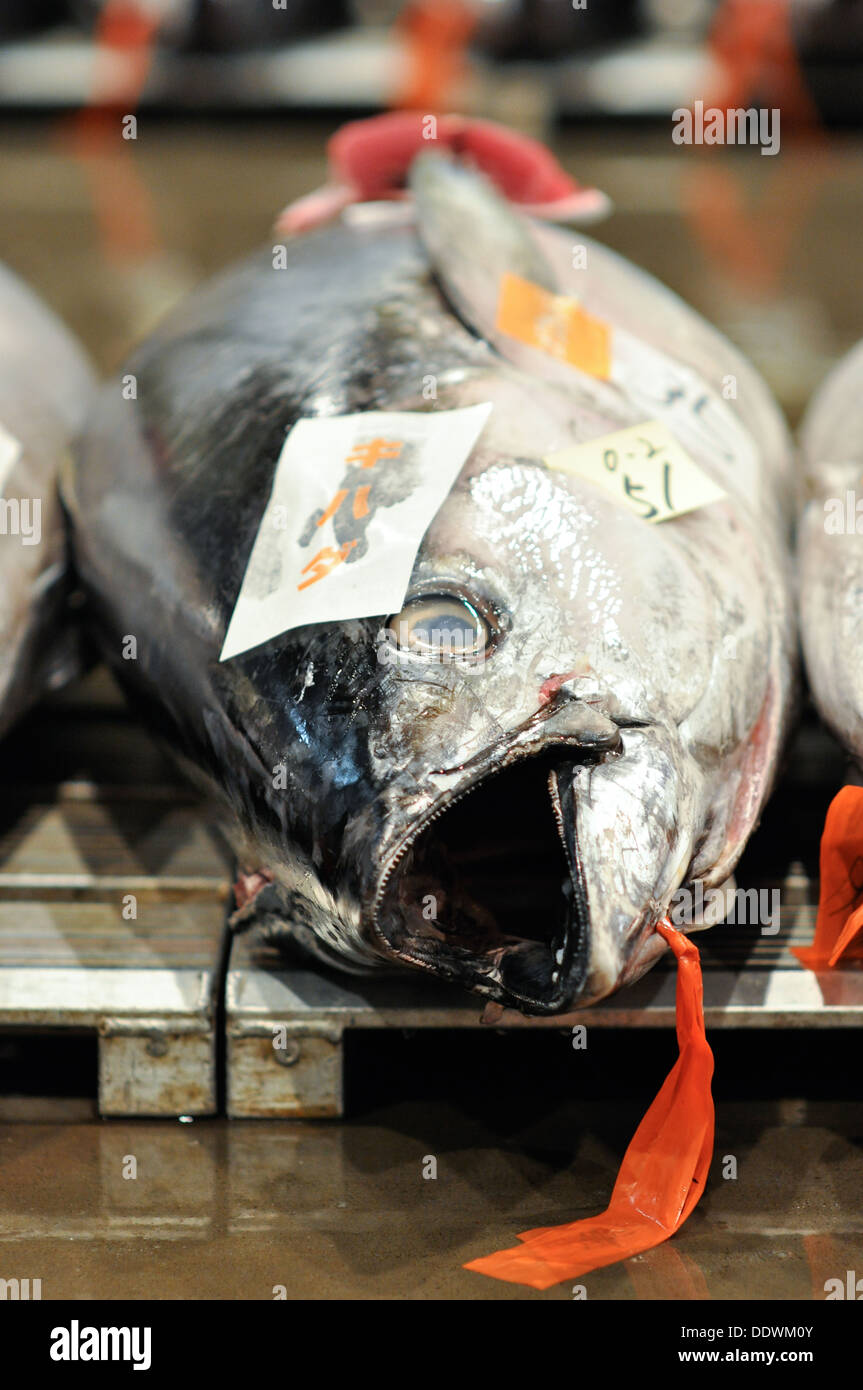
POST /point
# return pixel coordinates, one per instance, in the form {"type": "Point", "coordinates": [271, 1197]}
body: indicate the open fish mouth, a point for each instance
{"type": "Point", "coordinates": [487, 892]}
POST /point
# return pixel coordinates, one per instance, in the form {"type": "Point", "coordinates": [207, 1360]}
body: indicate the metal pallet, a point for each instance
{"type": "Point", "coordinates": [286, 1028]}
{"type": "Point", "coordinates": [112, 907]}
{"type": "Point", "coordinates": [92, 815]}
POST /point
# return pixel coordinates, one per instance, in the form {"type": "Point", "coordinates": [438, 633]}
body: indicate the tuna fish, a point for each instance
{"type": "Point", "coordinates": [516, 814]}
{"type": "Point", "coordinates": [45, 387]}
{"type": "Point", "coordinates": [830, 545]}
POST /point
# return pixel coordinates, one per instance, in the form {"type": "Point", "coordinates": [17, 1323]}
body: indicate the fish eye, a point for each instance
{"type": "Point", "coordinates": [441, 627]}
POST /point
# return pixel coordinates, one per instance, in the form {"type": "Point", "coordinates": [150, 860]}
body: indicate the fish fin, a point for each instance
{"type": "Point", "coordinates": [283, 921]}
{"type": "Point", "coordinates": [473, 238]}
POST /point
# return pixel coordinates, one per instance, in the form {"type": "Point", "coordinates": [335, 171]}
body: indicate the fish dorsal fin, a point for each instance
{"type": "Point", "coordinates": [473, 237]}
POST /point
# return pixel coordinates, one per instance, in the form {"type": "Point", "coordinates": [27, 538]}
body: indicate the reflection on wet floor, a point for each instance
{"type": "Point", "coordinates": [220, 1211]}
{"type": "Point", "coordinates": [332, 1210]}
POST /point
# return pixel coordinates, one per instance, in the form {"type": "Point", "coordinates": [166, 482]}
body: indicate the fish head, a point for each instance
{"type": "Point", "coordinates": [537, 802]}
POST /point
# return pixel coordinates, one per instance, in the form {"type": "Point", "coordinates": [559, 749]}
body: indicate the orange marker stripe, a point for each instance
{"type": "Point", "coordinates": [361, 501]}
{"type": "Point", "coordinates": [555, 325]}
{"type": "Point", "coordinates": [333, 507]}
{"type": "Point", "coordinates": [324, 562]}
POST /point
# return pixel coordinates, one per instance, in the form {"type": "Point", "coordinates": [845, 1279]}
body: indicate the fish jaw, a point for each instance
{"type": "Point", "coordinates": [435, 910]}
{"type": "Point", "coordinates": [425, 915]}
{"type": "Point", "coordinates": [634, 822]}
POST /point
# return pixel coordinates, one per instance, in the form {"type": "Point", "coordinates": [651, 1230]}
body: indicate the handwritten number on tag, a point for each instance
{"type": "Point", "coordinates": [643, 466]}
{"type": "Point", "coordinates": [635, 490]}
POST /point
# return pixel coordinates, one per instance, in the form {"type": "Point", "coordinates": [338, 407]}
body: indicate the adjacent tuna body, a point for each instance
{"type": "Point", "coordinates": [515, 816]}
{"type": "Point", "coordinates": [830, 545]}
{"type": "Point", "coordinates": [45, 388]}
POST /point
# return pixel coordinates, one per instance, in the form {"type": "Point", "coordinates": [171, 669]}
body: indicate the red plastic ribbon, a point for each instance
{"type": "Point", "coordinates": [369, 160]}
{"type": "Point", "coordinates": [840, 899]}
{"type": "Point", "coordinates": [663, 1172]}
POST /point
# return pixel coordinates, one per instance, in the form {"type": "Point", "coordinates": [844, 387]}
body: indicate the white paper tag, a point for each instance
{"type": "Point", "coordinates": [702, 421]}
{"type": "Point", "coordinates": [643, 467]}
{"type": "Point", "coordinates": [352, 498]}
{"type": "Point", "coordinates": [10, 452]}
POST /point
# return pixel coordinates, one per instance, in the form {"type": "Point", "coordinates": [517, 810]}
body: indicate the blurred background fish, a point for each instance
{"type": "Point", "coordinates": [45, 388]}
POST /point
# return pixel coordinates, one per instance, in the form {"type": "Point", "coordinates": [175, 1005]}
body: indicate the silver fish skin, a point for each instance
{"type": "Point", "coordinates": [621, 735]}
{"type": "Point", "coordinates": [46, 385]}
{"type": "Point", "coordinates": [830, 549]}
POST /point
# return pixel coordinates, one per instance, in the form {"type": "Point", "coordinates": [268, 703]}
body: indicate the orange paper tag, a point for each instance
{"type": "Point", "coordinates": [663, 1171]}
{"type": "Point", "coordinates": [554, 324]}
{"type": "Point", "coordinates": [840, 898]}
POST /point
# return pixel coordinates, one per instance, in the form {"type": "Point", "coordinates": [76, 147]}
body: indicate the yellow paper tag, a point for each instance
{"type": "Point", "coordinates": [644, 468]}
{"type": "Point", "coordinates": [555, 324]}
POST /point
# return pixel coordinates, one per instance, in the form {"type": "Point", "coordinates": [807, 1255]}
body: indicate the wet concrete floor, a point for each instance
{"type": "Point", "coordinates": [452, 1145]}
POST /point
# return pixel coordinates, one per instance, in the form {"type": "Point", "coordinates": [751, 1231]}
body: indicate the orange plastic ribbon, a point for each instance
{"type": "Point", "coordinates": [840, 899]}
{"type": "Point", "coordinates": [663, 1172]}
